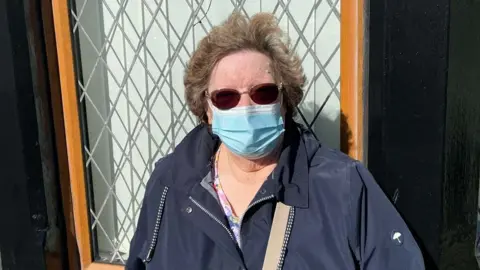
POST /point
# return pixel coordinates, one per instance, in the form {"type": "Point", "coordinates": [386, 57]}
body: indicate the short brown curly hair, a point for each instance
{"type": "Point", "coordinates": [261, 33]}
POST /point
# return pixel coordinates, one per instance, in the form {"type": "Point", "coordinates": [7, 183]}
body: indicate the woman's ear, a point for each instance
{"type": "Point", "coordinates": [208, 113]}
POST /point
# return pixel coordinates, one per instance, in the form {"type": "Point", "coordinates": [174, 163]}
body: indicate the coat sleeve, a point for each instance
{"type": "Point", "coordinates": [378, 237]}
{"type": "Point", "coordinates": [135, 260]}
{"type": "Point", "coordinates": [139, 242]}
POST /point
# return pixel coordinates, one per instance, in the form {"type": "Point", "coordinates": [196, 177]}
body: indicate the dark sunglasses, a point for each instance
{"type": "Point", "coordinates": [262, 94]}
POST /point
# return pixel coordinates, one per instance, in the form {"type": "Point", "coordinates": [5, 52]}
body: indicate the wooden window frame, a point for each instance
{"type": "Point", "coordinates": [351, 105]}
{"type": "Point", "coordinates": [73, 138]}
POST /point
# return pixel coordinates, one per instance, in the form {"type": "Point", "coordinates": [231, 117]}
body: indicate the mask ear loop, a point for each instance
{"type": "Point", "coordinates": [212, 107]}
{"type": "Point", "coordinates": [209, 102]}
{"type": "Point", "coordinates": [208, 99]}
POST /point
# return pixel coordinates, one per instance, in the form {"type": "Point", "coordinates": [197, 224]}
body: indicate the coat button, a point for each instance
{"type": "Point", "coordinates": [397, 238]}
{"type": "Point", "coordinates": [263, 191]}
{"type": "Point", "coordinates": [188, 210]}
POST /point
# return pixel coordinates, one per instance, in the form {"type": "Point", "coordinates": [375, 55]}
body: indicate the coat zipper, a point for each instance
{"type": "Point", "coordinates": [248, 208]}
{"type": "Point", "coordinates": [213, 217]}
{"type": "Point", "coordinates": [158, 220]}
{"type": "Point", "coordinates": [156, 229]}
{"type": "Point", "coordinates": [221, 223]}
{"type": "Point", "coordinates": [288, 231]}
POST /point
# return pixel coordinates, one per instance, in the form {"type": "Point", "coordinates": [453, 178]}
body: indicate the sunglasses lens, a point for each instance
{"type": "Point", "coordinates": [265, 94]}
{"type": "Point", "coordinates": [225, 99]}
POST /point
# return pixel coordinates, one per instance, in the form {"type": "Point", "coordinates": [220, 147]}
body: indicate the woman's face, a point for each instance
{"type": "Point", "coordinates": [241, 71]}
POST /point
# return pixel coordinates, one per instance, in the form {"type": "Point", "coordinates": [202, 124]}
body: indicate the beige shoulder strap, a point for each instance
{"type": "Point", "coordinates": [277, 236]}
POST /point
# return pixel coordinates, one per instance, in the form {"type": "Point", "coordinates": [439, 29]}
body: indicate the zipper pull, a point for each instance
{"type": "Point", "coordinates": [149, 256]}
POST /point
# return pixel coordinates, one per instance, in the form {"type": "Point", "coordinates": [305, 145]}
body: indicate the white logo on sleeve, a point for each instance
{"type": "Point", "coordinates": [397, 238]}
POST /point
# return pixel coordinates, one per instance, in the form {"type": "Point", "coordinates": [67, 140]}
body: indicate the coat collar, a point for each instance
{"type": "Point", "coordinates": [192, 161]}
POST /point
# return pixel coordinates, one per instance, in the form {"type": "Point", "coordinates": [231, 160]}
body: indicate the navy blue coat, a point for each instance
{"type": "Point", "coordinates": [342, 219]}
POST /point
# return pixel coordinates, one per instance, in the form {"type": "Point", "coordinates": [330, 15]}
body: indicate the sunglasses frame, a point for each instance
{"type": "Point", "coordinates": [249, 92]}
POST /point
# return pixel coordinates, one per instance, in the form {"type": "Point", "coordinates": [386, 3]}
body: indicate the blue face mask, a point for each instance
{"type": "Point", "coordinates": [251, 131]}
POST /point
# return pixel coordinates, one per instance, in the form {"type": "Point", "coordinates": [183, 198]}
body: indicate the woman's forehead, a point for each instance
{"type": "Point", "coordinates": [241, 70]}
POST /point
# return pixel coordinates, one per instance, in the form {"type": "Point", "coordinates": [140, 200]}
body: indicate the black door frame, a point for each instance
{"type": "Point", "coordinates": [424, 123]}
{"type": "Point", "coordinates": [32, 231]}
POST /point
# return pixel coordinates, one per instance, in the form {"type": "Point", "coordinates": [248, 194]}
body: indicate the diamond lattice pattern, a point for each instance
{"type": "Point", "coordinates": [131, 55]}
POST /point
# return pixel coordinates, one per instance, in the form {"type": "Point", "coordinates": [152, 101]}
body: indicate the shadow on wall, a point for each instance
{"type": "Point", "coordinates": [334, 133]}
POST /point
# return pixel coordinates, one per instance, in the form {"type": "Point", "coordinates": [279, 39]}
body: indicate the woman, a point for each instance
{"type": "Point", "coordinates": [213, 202]}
